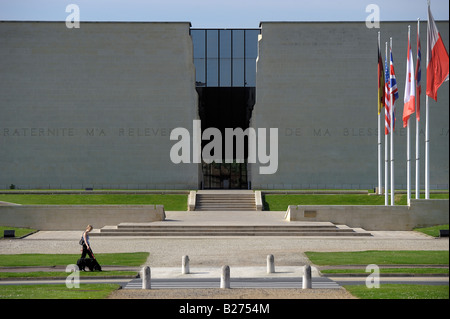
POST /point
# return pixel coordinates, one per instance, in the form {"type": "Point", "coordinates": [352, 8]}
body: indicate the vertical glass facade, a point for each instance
{"type": "Point", "coordinates": [225, 65]}
{"type": "Point", "coordinates": [225, 57]}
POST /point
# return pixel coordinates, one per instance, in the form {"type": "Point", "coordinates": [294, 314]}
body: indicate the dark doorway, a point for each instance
{"type": "Point", "coordinates": [226, 107]}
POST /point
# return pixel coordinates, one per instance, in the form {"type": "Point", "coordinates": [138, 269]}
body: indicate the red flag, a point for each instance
{"type": "Point", "coordinates": [410, 94]}
{"type": "Point", "coordinates": [437, 56]}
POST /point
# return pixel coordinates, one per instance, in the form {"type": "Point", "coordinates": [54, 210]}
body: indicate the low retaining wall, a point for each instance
{"type": "Point", "coordinates": [76, 217]}
{"type": "Point", "coordinates": [191, 200]}
{"type": "Point", "coordinates": [420, 213]}
{"type": "Point", "coordinates": [258, 200]}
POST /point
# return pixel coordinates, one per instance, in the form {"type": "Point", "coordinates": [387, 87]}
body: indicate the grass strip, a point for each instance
{"type": "Point", "coordinates": [275, 202]}
{"type": "Point", "coordinates": [19, 231]}
{"type": "Point", "coordinates": [175, 202]}
{"type": "Point", "coordinates": [399, 291]}
{"type": "Point", "coordinates": [86, 291]}
{"type": "Point", "coordinates": [48, 260]}
{"type": "Point", "coordinates": [421, 271]}
{"type": "Point", "coordinates": [379, 257]}
{"type": "Point", "coordinates": [432, 231]}
{"type": "Point", "coordinates": [59, 274]}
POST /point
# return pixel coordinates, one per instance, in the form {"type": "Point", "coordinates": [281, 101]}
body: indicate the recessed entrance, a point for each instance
{"type": "Point", "coordinates": [225, 63]}
{"type": "Point", "coordinates": [221, 108]}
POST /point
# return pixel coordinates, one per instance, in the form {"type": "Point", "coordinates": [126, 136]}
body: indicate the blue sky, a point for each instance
{"type": "Point", "coordinates": [221, 13]}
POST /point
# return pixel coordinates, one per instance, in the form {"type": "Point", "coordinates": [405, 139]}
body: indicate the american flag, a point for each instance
{"type": "Point", "coordinates": [387, 98]}
{"type": "Point", "coordinates": [418, 77]}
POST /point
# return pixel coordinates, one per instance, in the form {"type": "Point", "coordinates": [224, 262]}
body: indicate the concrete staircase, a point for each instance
{"type": "Point", "coordinates": [155, 230]}
{"type": "Point", "coordinates": [225, 201]}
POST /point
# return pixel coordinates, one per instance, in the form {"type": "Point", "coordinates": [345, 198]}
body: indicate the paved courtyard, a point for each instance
{"type": "Point", "coordinates": [215, 251]}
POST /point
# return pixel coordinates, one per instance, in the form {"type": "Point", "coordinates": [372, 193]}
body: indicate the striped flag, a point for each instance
{"type": "Point", "coordinates": [409, 106]}
{"type": "Point", "coordinates": [387, 99]}
{"type": "Point", "coordinates": [393, 88]}
{"type": "Point", "coordinates": [418, 76]}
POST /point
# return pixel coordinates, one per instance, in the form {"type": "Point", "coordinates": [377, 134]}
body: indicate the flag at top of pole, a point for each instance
{"type": "Point", "coordinates": [387, 98]}
{"type": "Point", "coordinates": [418, 75]}
{"type": "Point", "coordinates": [393, 88]}
{"type": "Point", "coordinates": [410, 94]}
{"type": "Point", "coordinates": [437, 73]}
{"type": "Point", "coordinates": [437, 58]}
{"type": "Point", "coordinates": [380, 81]}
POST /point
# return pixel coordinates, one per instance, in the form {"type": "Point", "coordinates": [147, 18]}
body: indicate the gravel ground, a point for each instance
{"type": "Point", "coordinates": [212, 293]}
{"type": "Point", "coordinates": [219, 251]}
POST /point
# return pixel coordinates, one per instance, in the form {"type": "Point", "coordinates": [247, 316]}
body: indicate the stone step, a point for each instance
{"type": "Point", "coordinates": [208, 209]}
{"type": "Point", "coordinates": [227, 230]}
{"type": "Point", "coordinates": [224, 229]}
{"type": "Point", "coordinates": [225, 202]}
{"type": "Point", "coordinates": [223, 207]}
{"type": "Point", "coordinates": [220, 233]}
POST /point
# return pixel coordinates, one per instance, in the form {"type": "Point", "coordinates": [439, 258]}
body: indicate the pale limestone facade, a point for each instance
{"type": "Point", "coordinates": [94, 107]}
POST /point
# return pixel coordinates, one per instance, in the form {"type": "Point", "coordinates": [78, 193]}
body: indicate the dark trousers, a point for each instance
{"type": "Point", "coordinates": [86, 251]}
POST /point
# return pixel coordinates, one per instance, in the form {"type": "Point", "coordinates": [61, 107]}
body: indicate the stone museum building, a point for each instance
{"type": "Point", "coordinates": [131, 105]}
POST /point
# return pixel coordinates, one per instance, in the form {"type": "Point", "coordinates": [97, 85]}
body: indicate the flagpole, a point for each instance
{"type": "Point", "coordinates": [386, 154]}
{"type": "Point", "coordinates": [427, 152]}
{"type": "Point", "coordinates": [391, 111]}
{"type": "Point", "coordinates": [417, 126]}
{"type": "Point", "coordinates": [379, 135]}
{"type": "Point", "coordinates": [408, 142]}
{"type": "Point", "coordinates": [427, 137]}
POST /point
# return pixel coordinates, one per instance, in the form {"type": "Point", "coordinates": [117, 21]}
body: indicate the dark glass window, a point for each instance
{"type": "Point", "coordinates": [225, 57]}
{"type": "Point", "coordinates": [238, 44]}
{"type": "Point", "coordinates": [198, 40]}
{"type": "Point", "coordinates": [225, 44]}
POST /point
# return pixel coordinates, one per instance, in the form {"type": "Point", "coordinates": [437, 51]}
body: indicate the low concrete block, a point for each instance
{"type": "Point", "coordinates": [185, 265]}
{"type": "Point", "coordinates": [191, 200]}
{"type": "Point", "coordinates": [146, 278]}
{"type": "Point", "coordinates": [258, 201]}
{"type": "Point", "coordinates": [270, 264]}
{"type": "Point", "coordinates": [307, 280]}
{"type": "Point", "coordinates": [76, 217]}
{"type": "Point", "coordinates": [420, 213]}
{"type": "Point", "coordinates": [225, 277]}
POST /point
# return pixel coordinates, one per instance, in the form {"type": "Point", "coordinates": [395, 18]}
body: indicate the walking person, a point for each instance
{"type": "Point", "coordinates": [86, 244]}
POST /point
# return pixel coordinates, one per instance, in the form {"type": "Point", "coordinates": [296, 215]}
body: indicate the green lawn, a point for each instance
{"type": "Point", "coordinates": [379, 257]}
{"type": "Point", "coordinates": [397, 291]}
{"type": "Point", "coordinates": [273, 202]}
{"type": "Point", "coordinates": [171, 202]}
{"type": "Point", "coordinates": [432, 231]}
{"type": "Point", "coordinates": [19, 231]}
{"type": "Point", "coordinates": [422, 271]}
{"type": "Point", "coordinates": [122, 259]}
{"type": "Point", "coordinates": [86, 291]}
{"type": "Point", "coordinates": [279, 202]}
{"type": "Point", "coordinates": [388, 291]}
{"type": "Point", "coordinates": [63, 274]}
